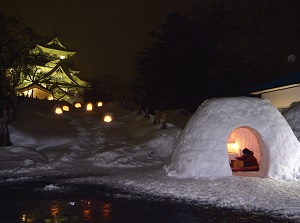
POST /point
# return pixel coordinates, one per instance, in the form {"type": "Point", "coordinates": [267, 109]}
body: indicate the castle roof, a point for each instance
{"type": "Point", "coordinates": [62, 68]}
{"type": "Point", "coordinates": [55, 46]}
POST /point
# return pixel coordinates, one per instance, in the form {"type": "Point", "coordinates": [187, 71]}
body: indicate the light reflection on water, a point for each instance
{"type": "Point", "coordinates": [94, 204]}
{"type": "Point", "coordinates": [57, 211]}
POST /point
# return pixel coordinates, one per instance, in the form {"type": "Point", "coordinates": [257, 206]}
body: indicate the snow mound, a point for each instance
{"type": "Point", "coordinates": [201, 151]}
{"type": "Point", "coordinates": [291, 114]}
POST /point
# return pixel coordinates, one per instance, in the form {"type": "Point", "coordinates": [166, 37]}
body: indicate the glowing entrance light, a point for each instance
{"type": "Point", "coordinates": [89, 107]}
{"type": "Point", "coordinates": [77, 105]}
{"type": "Point", "coordinates": [58, 111]}
{"type": "Point", "coordinates": [66, 108]}
{"type": "Point", "coordinates": [99, 104]}
{"type": "Point", "coordinates": [244, 137]}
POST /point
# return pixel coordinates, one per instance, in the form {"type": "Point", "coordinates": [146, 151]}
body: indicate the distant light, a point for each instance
{"type": "Point", "coordinates": [62, 57]}
{"type": "Point", "coordinates": [28, 93]}
{"type": "Point", "coordinates": [23, 218]}
{"type": "Point", "coordinates": [58, 111]}
{"type": "Point", "coordinates": [66, 108]}
{"type": "Point", "coordinates": [99, 104]}
{"type": "Point", "coordinates": [50, 98]}
{"type": "Point", "coordinates": [77, 105]}
{"type": "Point", "coordinates": [107, 118]}
{"type": "Point", "coordinates": [89, 107]}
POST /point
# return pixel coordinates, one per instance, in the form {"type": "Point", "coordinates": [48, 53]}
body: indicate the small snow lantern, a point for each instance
{"type": "Point", "coordinates": [107, 118]}
{"type": "Point", "coordinates": [66, 108]}
{"type": "Point", "coordinates": [99, 104]}
{"type": "Point", "coordinates": [89, 107]}
{"type": "Point", "coordinates": [77, 105]}
{"type": "Point", "coordinates": [58, 111]}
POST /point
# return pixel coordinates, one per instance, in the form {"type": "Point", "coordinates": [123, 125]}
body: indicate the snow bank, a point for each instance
{"type": "Point", "coordinates": [201, 150]}
{"type": "Point", "coordinates": [291, 115]}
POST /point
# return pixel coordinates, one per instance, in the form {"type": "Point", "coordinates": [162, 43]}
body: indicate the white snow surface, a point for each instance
{"type": "Point", "coordinates": [133, 153]}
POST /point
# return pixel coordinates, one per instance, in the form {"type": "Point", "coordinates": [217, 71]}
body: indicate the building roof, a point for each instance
{"type": "Point", "coordinates": [61, 67]}
{"type": "Point", "coordinates": [289, 81]}
{"type": "Point", "coordinates": [34, 85]}
{"type": "Point", "coordinates": [56, 44]}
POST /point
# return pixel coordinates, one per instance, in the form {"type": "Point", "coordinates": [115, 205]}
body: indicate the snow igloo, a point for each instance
{"type": "Point", "coordinates": [222, 127]}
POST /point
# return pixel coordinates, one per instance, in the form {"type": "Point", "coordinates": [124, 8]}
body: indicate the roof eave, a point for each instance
{"type": "Point", "coordinates": [275, 89]}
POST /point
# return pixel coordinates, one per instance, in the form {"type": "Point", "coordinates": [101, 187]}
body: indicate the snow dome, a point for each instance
{"type": "Point", "coordinates": [222, 127]}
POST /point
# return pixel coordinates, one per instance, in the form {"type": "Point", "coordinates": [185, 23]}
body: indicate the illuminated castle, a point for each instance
{"type": "Point", "coordinates": [49, 73]}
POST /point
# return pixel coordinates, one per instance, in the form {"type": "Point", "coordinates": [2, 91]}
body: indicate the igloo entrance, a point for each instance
{"type": "Point", "coordinates": [243, 137]}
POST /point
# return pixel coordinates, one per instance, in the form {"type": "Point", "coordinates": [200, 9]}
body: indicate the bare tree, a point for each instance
{"type": "Point", "coordinates": [15, 41]}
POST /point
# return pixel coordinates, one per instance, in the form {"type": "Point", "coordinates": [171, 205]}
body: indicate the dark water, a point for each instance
{"type": "Point", "coordinates": [30, 202]}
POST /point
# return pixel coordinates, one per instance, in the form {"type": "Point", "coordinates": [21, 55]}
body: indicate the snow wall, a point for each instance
{"type": "Point", "coordinates": [201, 148]}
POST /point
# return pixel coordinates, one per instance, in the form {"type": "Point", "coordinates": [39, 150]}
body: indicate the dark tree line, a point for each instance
{"type": "Point", "coordinates": [16, 39]}
{"type": "Point", "coordinates": [215, 51]}
{"type": "Point", "coordinates": [106, 88]}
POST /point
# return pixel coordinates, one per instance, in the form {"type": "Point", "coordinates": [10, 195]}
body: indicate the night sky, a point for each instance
{"type": "Point", "coordinates": [106, 34]}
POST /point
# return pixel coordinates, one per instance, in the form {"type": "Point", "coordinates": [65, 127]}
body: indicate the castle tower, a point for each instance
{"type": "Point", "coordinates": [50, 66]}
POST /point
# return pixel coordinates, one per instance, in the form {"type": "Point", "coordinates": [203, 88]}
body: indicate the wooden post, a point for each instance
{"type": "Point", "coordinates": [156, 117]}
{"type": "Point", "coordinates": [147, 113]}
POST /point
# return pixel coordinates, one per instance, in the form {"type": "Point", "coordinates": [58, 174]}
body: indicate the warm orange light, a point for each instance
{"type": "Point", "coordinates": [23, 218]}
{"type": "Point", "coordinates": [54, 209]}
{"type": "Point", "coordinates": [77, 105]}
{"type": "Point", "coordinates": [66, 108]}
{"type": "Point", "coordinates": [87, 212]}
{"type": "Point", "coordinates": [89, 107]}
{"type": "Point", "coordinates": [233, 147]}
{"type": "Point", "coordinates": [106, 209]}
{"type": "Point", "coordinates": [58, 110]}
{"type": "Point", "coordinates": [28, 93]}
{"type": "Point", "coordinates": [107, 118]}
{"type": "Point", "coordinates": [99, 104]}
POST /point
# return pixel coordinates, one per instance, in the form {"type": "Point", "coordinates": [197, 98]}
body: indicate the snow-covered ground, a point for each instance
{"type": "Point", "coordinates": [131, 153]}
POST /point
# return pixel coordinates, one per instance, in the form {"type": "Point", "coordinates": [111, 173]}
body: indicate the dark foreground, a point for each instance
{"type": "Point", "coordinates": [52, 203]}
